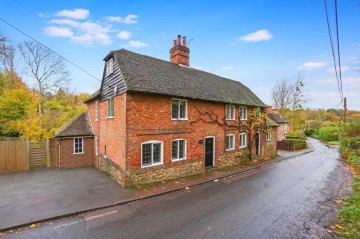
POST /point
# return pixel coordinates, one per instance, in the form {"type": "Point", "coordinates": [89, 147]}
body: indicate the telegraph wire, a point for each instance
{"type": "Point", "coordinates": [332, 49]}
{"type": "Point", "coordinates": [65, 59]}
{"type": "Point", "coordinates": [338, 46]}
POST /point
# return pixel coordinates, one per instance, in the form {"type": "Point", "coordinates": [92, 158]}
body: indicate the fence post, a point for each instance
{"type": "Point", "coordinates": [47, 148]}
{"type": "Point", "coordinates": [28, 154]}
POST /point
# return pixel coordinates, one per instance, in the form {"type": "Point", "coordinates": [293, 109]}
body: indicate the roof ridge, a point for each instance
{"type": "Point", "coordinates": [179, 65]}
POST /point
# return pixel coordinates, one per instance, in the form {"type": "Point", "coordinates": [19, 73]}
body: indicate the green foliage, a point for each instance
{"type": "Point", "coordinates": [329, 133]}
{"type": "Point", "coordinates": [19, 109]}
{"type": "Point", "coordinates": [349, 215]}
{"type": "Point", "coordinates": [309, 132]}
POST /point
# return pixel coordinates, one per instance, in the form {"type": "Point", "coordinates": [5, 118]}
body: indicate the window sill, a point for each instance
{"type": "Point", "coordinates": [110, 117]}
{"type": "Point", "coordinates": [230, 119]}
{"type": "Point", "coordinates": [152, 165]}
{"type": "Point", "coordinates": [177, 160]}
{"type": "Point", "coordinates": [243, 119]}
{"type": "Point", "coordinates": [227, 150]}
{"type": "Point", "coordinates": [96, 119]}
{"type": "Point", "coordinates": [242, 147]}
{"type": "Point", "coordinates": [179, 119]}
{"type": "Point", "coordinates": [79, 153]}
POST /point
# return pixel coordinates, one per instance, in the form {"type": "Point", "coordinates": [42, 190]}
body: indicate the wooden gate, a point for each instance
{"type": "Point", "coordinates": [38, 155]}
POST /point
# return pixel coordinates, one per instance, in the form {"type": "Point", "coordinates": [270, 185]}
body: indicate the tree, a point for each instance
{"type": "Point", "coordinates": [7, 55]}
{"type": "Point", "coordinates": [288, 94]}
{"type": "Point", "coordinates": [47, 69]}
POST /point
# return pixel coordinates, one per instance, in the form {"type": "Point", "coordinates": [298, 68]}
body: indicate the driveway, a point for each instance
{"type": "Point", "coordinates": [44, 193]}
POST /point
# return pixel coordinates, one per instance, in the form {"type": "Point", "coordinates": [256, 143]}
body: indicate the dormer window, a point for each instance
{"type": "Point", "coordinates": [109, 66]}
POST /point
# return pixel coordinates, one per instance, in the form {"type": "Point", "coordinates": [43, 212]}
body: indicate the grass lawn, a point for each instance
{"type": "Point", "coordinates": [333, 142]}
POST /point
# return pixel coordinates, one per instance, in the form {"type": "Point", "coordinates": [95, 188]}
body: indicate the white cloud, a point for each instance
{"type": "Point", "coordinates": [63, 21]}
{"type": "Point", "coordinates": [311, 65]}
{"type": "Point", "coordinates": [137, 44]}
{"type": "Point", "coordinates": [129, 19]}
{"type": "Point", "coordinates": [343, 69]}
{"type": "Point", "coordinates": [226, 68]}
{"type": "Point", "coordinates": [90, 33]}
{"type": "Point", "coordinates": [77, 13]}
{"type": "Point", "coordinates": [124, 35]}
{"type": "Point", "coordinates": [58, 31]}
{"type": "Point", "coordinates": [260, 35]}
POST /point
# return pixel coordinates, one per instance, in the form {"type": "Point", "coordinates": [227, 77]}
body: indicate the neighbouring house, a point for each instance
{"type": "Point", "coordinates": [154, 120]}
{"type": "Point", "coordinates": [271, 138]}
{"type": "Point", "coordinates": [283, 128]}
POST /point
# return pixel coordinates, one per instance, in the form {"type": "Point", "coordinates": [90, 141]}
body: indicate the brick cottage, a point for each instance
{"type": "Point", "coordinates": [155, 120]}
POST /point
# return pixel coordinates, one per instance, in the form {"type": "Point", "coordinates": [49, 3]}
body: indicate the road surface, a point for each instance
{"type": "Point", "coordinates": [291, 199]}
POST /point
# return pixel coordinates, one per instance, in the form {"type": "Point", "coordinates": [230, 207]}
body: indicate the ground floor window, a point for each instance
{"type": "Point", "coordinates": [151, 153]}
{"type": "Point", "coordinates": [268, 136]}
{"type": "Point", "coordinates": [242, 140]}
{"type": "Point", "coordinates": [78, 146]}
{"type": "Point", "coordinates": [229, 142]}
{"type": "Point", "coordinates": [178, 149]}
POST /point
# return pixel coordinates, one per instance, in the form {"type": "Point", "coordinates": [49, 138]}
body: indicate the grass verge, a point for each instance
{"type": "Point", "coordinates": [349, 215]}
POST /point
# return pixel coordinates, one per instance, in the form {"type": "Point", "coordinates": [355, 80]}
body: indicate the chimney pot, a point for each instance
{"type": "Point", "coordinates": [184, 41]}
{"type": "Point", "coordinates": [174, 42]}
{"type": "Point", "coordinates": [179, 40]}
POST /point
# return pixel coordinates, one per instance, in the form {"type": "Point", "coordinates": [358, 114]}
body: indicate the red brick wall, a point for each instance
{"type": "Point", "coordinates": [148, 117]}
{"type": "Point", "coordinates": [95, 124]}
{"type": "Point", "coordinates": [67, 157]}
{"type": "Point", "coordinates": [111, 131]}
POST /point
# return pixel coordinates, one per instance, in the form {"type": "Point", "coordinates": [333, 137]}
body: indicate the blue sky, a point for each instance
{"type": "Point", "coordinates": [258, 42]}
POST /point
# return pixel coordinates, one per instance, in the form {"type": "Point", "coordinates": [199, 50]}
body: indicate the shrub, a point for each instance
{"type": "Point", "coordinates": [309, 132]}
{"type": "Point", "coordinates": [329, 133]}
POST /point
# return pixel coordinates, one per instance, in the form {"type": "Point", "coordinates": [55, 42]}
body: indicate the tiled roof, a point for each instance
{"type": "Point", "coordinates": [79, 126]}
{"type": "Point", "coordinates": [150, 75]}
{"type": "Point", "coordinates": [270, 122]}
{"type": "Point", "coordinates": [93, 96]}
{"type": "Point", "coordinates": [277, 118]}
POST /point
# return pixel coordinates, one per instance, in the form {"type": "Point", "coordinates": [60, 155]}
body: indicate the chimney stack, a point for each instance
{"type": "Point", "coordinates": [180, 53]}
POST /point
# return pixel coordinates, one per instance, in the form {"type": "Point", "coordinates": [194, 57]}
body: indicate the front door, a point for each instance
{"type": "Point", "coordinates": [209, 152]}
{"type": "Point", "coordinates": [257, 143]}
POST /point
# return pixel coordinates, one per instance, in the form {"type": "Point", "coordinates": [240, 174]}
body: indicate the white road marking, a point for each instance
{"type": "Point", "coordinates": [101, 215]}
{"type": "Point", "coordinates": [68, 224]}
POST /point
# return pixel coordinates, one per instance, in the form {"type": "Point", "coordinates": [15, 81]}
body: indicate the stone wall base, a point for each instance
{"type": "Point", "coordinates": [112, 170]}
{"type": "Point", "coordinates": [151, 175]}
{"type": "Point", "coordinates": [235, 159]}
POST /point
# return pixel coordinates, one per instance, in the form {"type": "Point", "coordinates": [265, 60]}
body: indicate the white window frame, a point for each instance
{"type": "Point", "coordinates": [109, 67]}
{"type": "Point", "coordinates": [243, 107]}
{"type": "Point", "coordinates": [96, 145]}
{"type": "Point", "coordinates": [186, 109]}
{"type": "Point", "coordinates": [232, 112]}
{"type": "Point", "coordinates": [178, 152]}
{"type": "Point", "coordinates": [113, 113]}
{"type": "Point", "coordinates": [245, 140]}
{"type": "Point", "coordinates": [233, 142]}
{"type": "Point", "coordinates": [161, 153]}
{"type": "Point", "coordinates": [97, 110]}
{"type": "Point", "coordinates": [268, 136]}
{"type": "Point", "coordinates": [82, 145]}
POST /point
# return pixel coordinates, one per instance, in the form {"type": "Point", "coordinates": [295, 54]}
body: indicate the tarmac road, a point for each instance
{"type": "Point", "coordinates": [292, 199]}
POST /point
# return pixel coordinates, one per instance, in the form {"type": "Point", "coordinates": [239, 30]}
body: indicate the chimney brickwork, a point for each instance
{"type": "Point", "coordinates": [180, 53]}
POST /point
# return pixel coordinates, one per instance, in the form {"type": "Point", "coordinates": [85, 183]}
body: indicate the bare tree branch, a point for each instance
{"type": "Point", "coordinates": [46, 69]}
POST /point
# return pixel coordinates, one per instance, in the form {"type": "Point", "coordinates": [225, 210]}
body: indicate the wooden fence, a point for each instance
{"type": "Point", "coordinates": [13, 156]}
{"type": "Point", "coordinates": [23, 155]}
